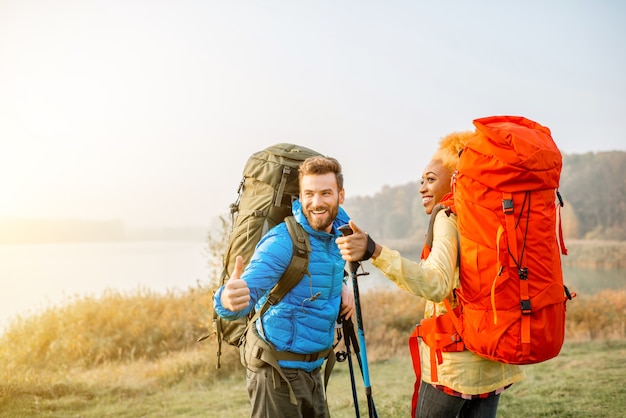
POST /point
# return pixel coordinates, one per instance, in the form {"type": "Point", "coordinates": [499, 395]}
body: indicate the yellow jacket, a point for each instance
{"type": "Point", "coordinates": [434, 279]}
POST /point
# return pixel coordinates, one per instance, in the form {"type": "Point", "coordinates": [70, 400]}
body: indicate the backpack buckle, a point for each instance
{"type": "Point", "coordinates": [526, 309]}
{"type": "Point", "coordinates": [507, 206]}
{"type": "Point", "coordinates": [523, 273]}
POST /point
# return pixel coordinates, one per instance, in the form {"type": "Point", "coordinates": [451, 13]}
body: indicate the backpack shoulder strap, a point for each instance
{"type": "Point", "coordinates": [297, 268]}
{"type": "Point", "coordinates": [299, 264]}
{"type": "Point", "coordinates": [431, 222]}
{"type": "Point", "coordinates": [428, 240]}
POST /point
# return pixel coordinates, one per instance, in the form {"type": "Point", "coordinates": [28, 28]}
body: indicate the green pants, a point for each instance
{"type": "Point", "coordinates": [270, 400]}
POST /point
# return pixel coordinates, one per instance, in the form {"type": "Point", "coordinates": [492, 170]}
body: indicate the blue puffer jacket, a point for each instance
{"type": "Point", "coordinates": [296, 324]}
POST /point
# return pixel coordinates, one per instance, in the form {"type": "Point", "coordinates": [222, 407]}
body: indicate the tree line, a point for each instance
{"type": "Point", "coordinates": [593, 186]}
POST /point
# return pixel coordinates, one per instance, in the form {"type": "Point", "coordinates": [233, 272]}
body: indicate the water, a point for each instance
{"type": "Point", "coordinates": [36, 276]}
{"type": "Point", "coordinates": [581, 281]}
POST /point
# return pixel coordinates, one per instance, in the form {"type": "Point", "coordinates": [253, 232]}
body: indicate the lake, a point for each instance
{"type": "Point", "coordinates": [36, 276]}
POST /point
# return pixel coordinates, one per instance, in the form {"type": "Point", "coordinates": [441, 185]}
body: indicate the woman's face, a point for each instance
{"type": "Point", "coordinates": [435, 184]}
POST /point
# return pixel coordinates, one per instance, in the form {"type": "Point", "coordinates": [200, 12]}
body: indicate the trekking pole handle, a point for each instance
{"type": "Point", "coordinates": [345, 231]}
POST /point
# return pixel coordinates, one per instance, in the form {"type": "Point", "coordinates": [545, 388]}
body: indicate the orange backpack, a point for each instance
{"type": "Point", "coordinates": [506, 198]}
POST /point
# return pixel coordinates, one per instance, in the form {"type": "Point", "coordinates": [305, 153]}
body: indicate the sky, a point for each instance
{"type": "Point", "coordinates": [146, 111]}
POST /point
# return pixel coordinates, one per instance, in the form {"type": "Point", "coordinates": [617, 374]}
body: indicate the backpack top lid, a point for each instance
{"type": "Point", "coordinates": [513, 153]}
{"type": "Point", "coordinates": [268, 165]}
{"type": "Point", "coordinates": [293, 151]}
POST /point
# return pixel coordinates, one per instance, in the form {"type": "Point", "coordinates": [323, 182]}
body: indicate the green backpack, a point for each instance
{"type": "Point", "coordinates": [265, 194]}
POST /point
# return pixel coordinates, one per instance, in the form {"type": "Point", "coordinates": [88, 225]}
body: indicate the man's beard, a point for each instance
{"type": "Point", "coordinates": [321, 223]}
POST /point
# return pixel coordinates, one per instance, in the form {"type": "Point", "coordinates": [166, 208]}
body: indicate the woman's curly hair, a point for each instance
{"type": "Point", "coordinates": [450, 147]}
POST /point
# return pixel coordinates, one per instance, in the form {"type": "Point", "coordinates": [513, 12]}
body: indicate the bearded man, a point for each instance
{"type": "Point", "coordinates": [302, 324]}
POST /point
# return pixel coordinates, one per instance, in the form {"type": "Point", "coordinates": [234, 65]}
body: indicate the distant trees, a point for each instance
{"type": "Point", "coordinates": [593, 186]}
{"type": "Point", "coordinates": [393, 213]}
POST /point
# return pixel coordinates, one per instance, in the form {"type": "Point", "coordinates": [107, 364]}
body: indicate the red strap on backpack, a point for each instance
{"type": "Point", "coordinates": [560, 226]}
{"type": "Point", "coordinates": [417, 368]}
{"type": "Point", "coordinates": [440, 334]}
{"type": "Point", "coordinates": [523, 281]}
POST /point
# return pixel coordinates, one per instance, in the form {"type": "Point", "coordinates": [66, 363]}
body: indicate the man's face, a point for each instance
{"type": "Point", "coordinates": [320, 200]}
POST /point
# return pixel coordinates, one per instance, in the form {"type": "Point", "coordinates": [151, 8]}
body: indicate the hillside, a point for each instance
{"type": "Point", "coordinates": [593, 186]}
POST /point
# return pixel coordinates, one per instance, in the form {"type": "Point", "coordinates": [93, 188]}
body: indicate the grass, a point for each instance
{"type": "Point", "coordinates": [585, 380]}
{"type": "Point", "coordinates": [134, 355]}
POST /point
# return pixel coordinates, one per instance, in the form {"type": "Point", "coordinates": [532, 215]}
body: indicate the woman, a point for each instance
{"type": "Point", "coordinates": [453, 383]}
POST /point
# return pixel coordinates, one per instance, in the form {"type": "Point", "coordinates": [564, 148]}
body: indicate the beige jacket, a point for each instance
{"type": "Point", "coordinates": [434, 279]}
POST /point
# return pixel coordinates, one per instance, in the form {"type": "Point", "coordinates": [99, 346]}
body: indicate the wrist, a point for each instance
{"type": "Point", "coordinates": [371, 248]}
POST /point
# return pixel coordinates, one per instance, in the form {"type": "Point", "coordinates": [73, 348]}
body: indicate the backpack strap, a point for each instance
{"type": "Point", "coordinates": [560, 227]}
{"type": "Point", "coordinates": [297, 268]}
{"type": "Point", "coordinates": [299, 264]}
{"type": "Point", "coordinates": [417, 368]}
{"type": "Point", "coordinates": [441, 334]}
{"type": "Point", "coordinates": [428, 239]}
{"type": "Point", "coordinates": [519, 259]}
{"type": "Point", "coordinates": [257, 349]}
{"type": "Point", "coordinates": [281, 187]}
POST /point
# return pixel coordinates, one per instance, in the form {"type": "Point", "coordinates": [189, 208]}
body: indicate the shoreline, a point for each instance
{"type": "Point", "coordinates": [595, 254]}
{"type": "Point", "coordinates": [589, 254]}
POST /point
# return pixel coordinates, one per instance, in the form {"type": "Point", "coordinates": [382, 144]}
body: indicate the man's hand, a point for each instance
{"type": "Point", "coordinates": [236, 295]}
{"type": "Point", "coordinates": [354, 246]}
{"type": "Point", "coordinates": [347, 302]}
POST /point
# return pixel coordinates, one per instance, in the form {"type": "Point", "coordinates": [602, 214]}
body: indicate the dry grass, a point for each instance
{"type": "Point", "coordinates": [116, 327]}
{"type": "Point", "coordinates": [598, 317]}
{"type": "Point", "coordinates": [388, 319]}
{"type": "Point", "coordinates": [134, 340]}
{"type": "Point", "coordinates": [134, 343]}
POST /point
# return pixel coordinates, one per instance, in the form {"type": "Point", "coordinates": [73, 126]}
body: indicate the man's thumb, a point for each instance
{"type": "Point", "coordinates": [238, 268]}
{"type": "Point", "coordinates": [355, 228]}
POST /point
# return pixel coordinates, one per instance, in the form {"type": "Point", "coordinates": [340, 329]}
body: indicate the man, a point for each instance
{"type": "Point", "coordinates": [303, 322]}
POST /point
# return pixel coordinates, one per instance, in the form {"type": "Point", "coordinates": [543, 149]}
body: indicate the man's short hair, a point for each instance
{"type": "Point", "coordinates": [321, 165]}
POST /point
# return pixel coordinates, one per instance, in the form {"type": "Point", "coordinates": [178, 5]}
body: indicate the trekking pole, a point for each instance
{"type": "Point", "coordinates": [354, 266]}
{"type": "Point", "coordinates": [363, 357]}
{"type": "Point", "coordinates": [348, 328]}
